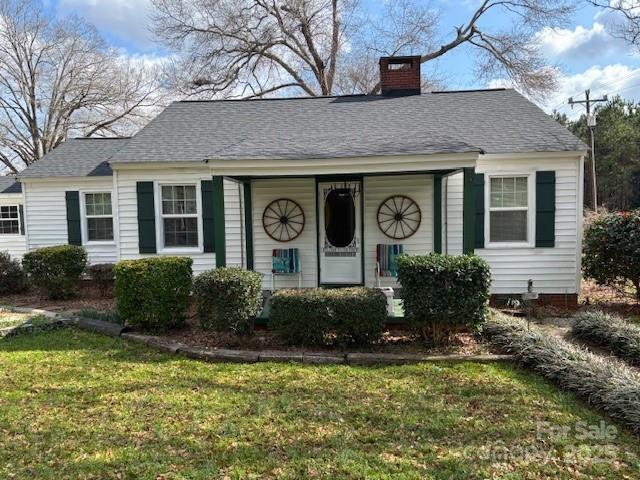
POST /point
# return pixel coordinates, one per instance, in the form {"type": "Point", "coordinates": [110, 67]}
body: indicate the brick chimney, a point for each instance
{"type": "Point", "coordinates": [400, 75]}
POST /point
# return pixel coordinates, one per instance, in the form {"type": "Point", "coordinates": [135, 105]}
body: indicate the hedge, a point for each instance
{"type": "Point", "coordinates": [12, 277]}
{"type": "Point", "coordinates": [443, 294]}
{"type": "Point", "coordinates": [56, 269]}
{"type": "Point", "coordinates": [606, 383]}
{"type": "Point", "coordinates": [610, 331]}
{"type": "Point", "coordinates": [228, 299]}
{"type": "Point", "coordinates": [316, 316]}
{"type": "Point", "coordinates": [611, 249]}
{"type": "Point", "coordinates": [153, 293]}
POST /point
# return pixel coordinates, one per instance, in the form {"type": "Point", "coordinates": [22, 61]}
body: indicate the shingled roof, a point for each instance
{"type": "Point", "coordinates": [9, 184]}
{"type": "Point", "coordinates": [480, 121]}
{"type": "Point", "coordinates": [77, 157]}
{"type": "Point", "coordinates": [489, 121]}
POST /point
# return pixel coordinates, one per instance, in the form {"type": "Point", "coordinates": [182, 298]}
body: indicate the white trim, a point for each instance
{"type": "Point", "coordinates": [160, 248]}
{"type": "Point", "coordinates": [5, 235]}
{"type": "Point", "coordinates": [115, 206]}
{"type": "Point", "coordinates": [530, 242]}
{"type": "Point", "coordinates": [84, 228]}
{"type": "Point", "coordinates": [580, 221]}
{"type": "Point", "coordinates": [533, 155]}
{"type": "Point", "coordinates": [26, 216]}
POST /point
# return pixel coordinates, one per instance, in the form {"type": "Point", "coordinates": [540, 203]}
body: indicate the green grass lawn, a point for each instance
{"type": "Point", "coordinates": [74, 405]}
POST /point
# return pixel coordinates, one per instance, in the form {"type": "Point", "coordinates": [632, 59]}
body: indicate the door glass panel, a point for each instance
{"type": "Point", "coordinates": [340, 218]}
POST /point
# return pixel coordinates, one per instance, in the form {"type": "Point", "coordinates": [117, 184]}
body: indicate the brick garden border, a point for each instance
{"type": "Point", "coordinates": [252, 356]}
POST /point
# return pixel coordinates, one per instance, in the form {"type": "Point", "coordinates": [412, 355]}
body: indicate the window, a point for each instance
{"type": "Point", "coordinates": [99, 216]}
{"type": "Point", "coordinates": [179, 215]}
{"type": "Point", "coordinates": [9, 220]}
{"type": "Point", "coordinates": [509, 209]}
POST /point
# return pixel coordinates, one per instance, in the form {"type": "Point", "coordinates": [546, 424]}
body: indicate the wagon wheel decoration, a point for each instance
{"type": "Point", "coordinates": [399, 217]}
{"type": "Point", "coordinates": [283, 220]}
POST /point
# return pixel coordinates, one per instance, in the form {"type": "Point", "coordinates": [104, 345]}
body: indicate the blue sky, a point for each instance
{"type": "Point", "coordinates": [586, 54]}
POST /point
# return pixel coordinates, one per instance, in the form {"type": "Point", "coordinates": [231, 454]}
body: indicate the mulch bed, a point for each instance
{"type": "Point", "coordinates": [608, 299]}
{"type": "Point", "coordinates": [88, 298]}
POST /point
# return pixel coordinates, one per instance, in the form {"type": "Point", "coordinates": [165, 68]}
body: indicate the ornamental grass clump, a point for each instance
{"type": "Point", "coordinates": [228, 299]}
{"type": "Point", "coordinates": [610, 331]}
{"type": "Point", "coordinates": [606, 383]}
{"type": "Point", "coordinates": [444, 294]}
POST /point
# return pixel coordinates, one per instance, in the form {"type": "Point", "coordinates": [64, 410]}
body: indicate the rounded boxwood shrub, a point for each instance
{"type": "Point", "coordinates": [56, 269]}
{"type": "Point", "coordinates": [228, 299]}
{"type": "Point", "coordinates": [444, 294]}
{"type": "Point", "coordinates": [12, 277]}
{"type": "Point", "coordinates": [317, 316]}
{"type": "Point", "coordinates": [153, 293]}
{"type": "Point", "coordinates": [611, 250]}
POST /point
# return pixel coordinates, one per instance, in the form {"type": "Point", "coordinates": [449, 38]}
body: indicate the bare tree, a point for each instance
{"type": "Point", "coordinates": [258, 47]}
{"type": "Point", "coordinates": [627, 24]}
{"type": "Point", "coordinates": [57, 78]}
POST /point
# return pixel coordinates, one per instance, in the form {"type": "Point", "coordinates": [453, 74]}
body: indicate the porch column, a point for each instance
{"type": "Point", "coordinates": [248, 224]}
{"type": "Point", "coordinates": [218, 231]}
{"type": "Point", "coordinates": [437, 213]}
{"type": "Point", "coordinates": [468, 211]}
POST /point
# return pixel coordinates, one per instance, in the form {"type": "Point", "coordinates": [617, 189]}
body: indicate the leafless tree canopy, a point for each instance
{"type": "Point", "coordinates": [253, 48]}
{"type": "Point", "coordinates": [58, 78]}
{"type": "Point", "coordinates": [627, 26]}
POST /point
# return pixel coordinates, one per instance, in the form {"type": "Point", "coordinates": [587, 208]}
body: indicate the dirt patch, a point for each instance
{"type": "Point", "coordinates": [88, 298]}
{"type": "Point", "coordinates": [608, 299]}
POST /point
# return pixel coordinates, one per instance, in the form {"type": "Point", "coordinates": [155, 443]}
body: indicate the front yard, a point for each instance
{"type": "Point", "coordinates": [77, 405]}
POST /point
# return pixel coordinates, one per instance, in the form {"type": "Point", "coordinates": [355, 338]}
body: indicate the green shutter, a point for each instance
{"type": "Point", "coordinates": [208, 222]}
{"type": "Point", "coordinates": [468, 211]}
{"type": "Point", "coordinates": [218, 203]}
{"type": "Point", "coordinates": [21, 213]}
{"type": "Point", "coordinates": [74, 234]}
{"type": "Point", "coordinates": [545, 209]}
{"type": "Point", "coordinates": [248, 224]}
{"type": "Point", "coordinates": [478, 192]}
{"type": "Point", "coordinates": [146, 218]}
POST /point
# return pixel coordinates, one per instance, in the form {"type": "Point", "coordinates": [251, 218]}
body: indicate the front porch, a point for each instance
{"type": "Point", "coordinates": [334, 226]}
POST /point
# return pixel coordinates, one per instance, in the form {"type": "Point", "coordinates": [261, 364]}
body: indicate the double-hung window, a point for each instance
{"type": "Point", "coordinates": [9, 220]}
{"type": "Point", "coordinates": [509, 209]}
{"type": "Point", "coordinates": [179, 212]}
{"type": "Point", "coordinates": [99, 216]}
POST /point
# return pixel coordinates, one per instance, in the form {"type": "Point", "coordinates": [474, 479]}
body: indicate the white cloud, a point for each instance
{"type": "Point", "coordinates": [127, 20]}
{"type": "Point", "coordinates": [592, 43]}
{"type": "Point", "coordinates": [612, 80]}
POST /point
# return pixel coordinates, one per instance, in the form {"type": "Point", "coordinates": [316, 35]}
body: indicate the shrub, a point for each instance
{"type": "Point", "coordinates": [12, 277]}
{"type": "Point", "coordinates": [606, 383]}
{"type": "Point", "coordinates": [153, 293]}
{"type": "Point", "coordinates": [56, 269]}
{"type": "Point", "coordinates": [103, 275]}
{"type": "Point", "coordinates": [612, 250]}
{"type": "Point", "coordinates": [111, 316]}
{"type": "Point", "coordinates": [444, 294]}
{"type": "Point", "coordinates": [316, 316]}
{"type": "Point", "coordinates": [611, 331]}
{"type": "Point", "coordinates": [228, 299]}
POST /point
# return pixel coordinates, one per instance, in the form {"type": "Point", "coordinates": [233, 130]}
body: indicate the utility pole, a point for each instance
{"type": "Point", "coordinates": [591, 193]}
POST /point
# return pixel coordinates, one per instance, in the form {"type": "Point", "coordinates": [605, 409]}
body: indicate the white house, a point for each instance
{"type": "Point", "coordinates": [335, 184]}
{"type": "Point", "coordinates": [12, 237]}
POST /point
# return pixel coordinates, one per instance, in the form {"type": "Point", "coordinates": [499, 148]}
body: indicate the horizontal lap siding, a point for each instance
{"type": "Point", "coordinates": [452, 228]}
{"type": "Point", "coordinates": [15, 245]}
{"type": "Point", "coordinates": [129, 214]}
{"type": "Point", "coordinates": [301, 190]}
{"type": "Point", "coordinates": [46, 214]}
{"type": "Point", "coordinates": [553, 270]}
{"type": "Point", "coordinates": [376, 190]}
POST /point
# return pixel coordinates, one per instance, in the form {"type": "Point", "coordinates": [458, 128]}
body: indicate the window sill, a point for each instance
{"type": "Point", "coordinates": [100, 242]}
{"type": "Point", "coordinates": [509, 245]}
{"type": "Point", "coordinates": [180, 251]}
{"type": "Point", "coordinates": [11, 235]}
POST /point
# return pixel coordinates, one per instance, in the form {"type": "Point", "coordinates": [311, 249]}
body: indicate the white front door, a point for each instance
{"type": "Point", "coordinates": [340, 232]}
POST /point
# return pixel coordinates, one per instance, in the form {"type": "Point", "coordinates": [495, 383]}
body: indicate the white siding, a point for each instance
{"type": "Point", "coordinates": [128, 214]}
{"type": "Point", "coordinates": [452, 218]}
{"type": "Point", "coordinates": [376, 190]}
{"type": "Point", "coordinates": [553, 270]}
{"type": "Point", "coordinates": [14, 244]}
{"type": "Point", "coordinates": [46, 212]}
{"type": "Point", "coordinates": [303, 191]}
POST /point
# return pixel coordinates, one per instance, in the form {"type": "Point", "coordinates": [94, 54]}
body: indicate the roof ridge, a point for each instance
{"type": "Point", "coordinates": [100, 138]}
